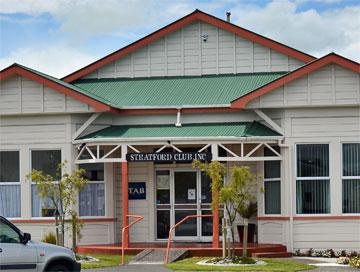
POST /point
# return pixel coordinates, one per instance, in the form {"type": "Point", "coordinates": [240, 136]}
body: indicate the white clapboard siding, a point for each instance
{"type": "Point", "coordinates": [138, 172]}
{"type": "Point", "coordinates": [272, 232]}
{"type": "Point", "coordinates": [339, 234]}
{"type": "Point", "coordinates": [20, 95]}
{"type": "Point", "coordinates": [330, 85]}
{"type": "Point", "coordinates": [184, 52]}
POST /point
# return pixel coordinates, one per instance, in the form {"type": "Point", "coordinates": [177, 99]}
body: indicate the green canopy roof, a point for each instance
{"type": "Point", "coordinates": [241, 129]}
{"type": "Point", "coordinates": [202, 91]}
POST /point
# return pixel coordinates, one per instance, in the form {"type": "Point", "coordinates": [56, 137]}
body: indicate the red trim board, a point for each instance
{"type": "Point", "coordinates": [316, 64]}
{"type": "Point", "coordinates": [195, 15]}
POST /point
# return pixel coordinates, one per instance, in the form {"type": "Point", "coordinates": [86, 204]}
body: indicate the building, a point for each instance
{"type": "Point", "coordinates": [200, 87]}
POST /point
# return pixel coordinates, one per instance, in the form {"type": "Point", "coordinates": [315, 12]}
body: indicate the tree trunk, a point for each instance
{"type": "Point", "coordinates": [74, 238]}
{"type": "Point", "coordinates": [245, 237]}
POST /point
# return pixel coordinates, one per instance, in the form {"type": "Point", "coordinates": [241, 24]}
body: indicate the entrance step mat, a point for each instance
{"type": "Point", "coordinates": [157, 256]}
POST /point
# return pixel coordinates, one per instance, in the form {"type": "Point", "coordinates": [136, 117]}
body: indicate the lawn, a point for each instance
{"type": "Point", "coordinates": [105, 260]}
{"type": "Point", "coordinates": [272, 265]}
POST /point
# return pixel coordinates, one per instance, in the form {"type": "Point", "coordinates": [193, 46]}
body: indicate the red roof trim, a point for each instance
{"type": "Point", "coordinates": [196, 15]}
{"type": "Point", "coordinates": [328, 59]}
{"type": "Point", "coordinates": [14, 69]}
{"type": "Point", "coordinates": [174, 111]}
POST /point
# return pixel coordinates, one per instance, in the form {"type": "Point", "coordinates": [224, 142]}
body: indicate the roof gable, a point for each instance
{"type": "Point", "coordinates": [241, 102]}
{"type": "Point", "coordinates": [54, 83]}
{"type": "Point", "coordinates": [196, 15]}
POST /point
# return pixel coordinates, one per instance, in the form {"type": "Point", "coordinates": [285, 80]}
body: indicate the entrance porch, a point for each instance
{"type": "Point", "coordinates": [158, 157]}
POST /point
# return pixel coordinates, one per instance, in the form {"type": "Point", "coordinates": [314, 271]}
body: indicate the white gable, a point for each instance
{"type": "Point", "coordinates": [19, 94]}
{"type": "Point", "coordinates": [184, 52]}
{"type": "Point", "coordinates": [330, 85]}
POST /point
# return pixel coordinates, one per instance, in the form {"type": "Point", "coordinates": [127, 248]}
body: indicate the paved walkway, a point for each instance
{"type": "Point", "coordinates": [131, 268]}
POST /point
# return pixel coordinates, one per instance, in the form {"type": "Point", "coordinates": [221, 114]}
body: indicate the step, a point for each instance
{"type": "Point", "coordinates": [272, 255]}
{"type": "Point", "coordinates": [157, 256]}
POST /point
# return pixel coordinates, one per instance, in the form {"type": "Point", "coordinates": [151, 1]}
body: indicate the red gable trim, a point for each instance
{"type": "Point", "coordinates": [174, 111]}
{"type": "Point", "coordinates": [196, 15]}
{"type": "Point", "coordinates": [326, 60]}
{"type": "Point", "coordinates": [14, 69]}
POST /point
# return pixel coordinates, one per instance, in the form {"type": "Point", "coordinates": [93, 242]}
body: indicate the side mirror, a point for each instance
{"type": "Point", "coordinates": [26, 238]}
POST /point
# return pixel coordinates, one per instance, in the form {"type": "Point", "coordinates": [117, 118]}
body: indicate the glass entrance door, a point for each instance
{"type": "Point", "coordinates": [185, 196]}
{"type": "Point", "coordinates": [181, 193]}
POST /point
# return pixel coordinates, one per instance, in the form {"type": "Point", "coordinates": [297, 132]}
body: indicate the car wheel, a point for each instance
{"type": "Point", "coordinates": [58, 268]}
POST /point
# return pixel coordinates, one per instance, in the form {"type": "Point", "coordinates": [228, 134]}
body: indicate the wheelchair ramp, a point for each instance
{"type": "Point", "coordinates": [157, 256]}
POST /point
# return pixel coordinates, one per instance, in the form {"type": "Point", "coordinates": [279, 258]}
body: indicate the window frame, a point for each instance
{"type": "Point", "coordinates": [17, 182]}
{"type": "Point", "coordinates": [345, 177]}
{"type": "Point", "coordinates": [33, 183]}
{"type": "Point", "coordinates": [328, 178]}
{"type": "Point", "coordinates": [279, 179]}
{"type": "Point", "coordinates": [105, 195]}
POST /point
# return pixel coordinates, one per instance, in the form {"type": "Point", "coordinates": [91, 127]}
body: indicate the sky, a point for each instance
{"type": "Point", "coordinates": [60, 36]}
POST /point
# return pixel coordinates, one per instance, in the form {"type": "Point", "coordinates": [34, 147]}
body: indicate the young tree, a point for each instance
{"type": "Point", "coordinates": [62, 191]}
{"type": "Point", "coordinates": [238, 198]}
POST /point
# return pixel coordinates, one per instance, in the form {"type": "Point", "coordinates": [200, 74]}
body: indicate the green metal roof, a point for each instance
{"type": "Point", "coordinates": [241, 129]}
{"type": "Point", "coordinates": [211, 90]}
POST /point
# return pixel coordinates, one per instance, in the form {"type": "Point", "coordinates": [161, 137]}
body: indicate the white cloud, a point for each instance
{"type": "Point", "coordinates": [310, 31]}
{"type": "Point", "coordinates": [56, 61]}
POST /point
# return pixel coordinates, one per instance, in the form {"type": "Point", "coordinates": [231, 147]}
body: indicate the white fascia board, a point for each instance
{"type": "Point", "coordinates": [188, 140]}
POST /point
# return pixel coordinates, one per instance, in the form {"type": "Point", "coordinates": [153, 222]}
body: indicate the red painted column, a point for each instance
{"type": "Point", "coordinates": [215, 240]}
{"type": "Point", "coordinates": [125, 201]}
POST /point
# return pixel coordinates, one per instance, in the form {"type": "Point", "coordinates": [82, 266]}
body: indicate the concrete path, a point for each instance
{"type": "Point", "coordinates": [131, 268]}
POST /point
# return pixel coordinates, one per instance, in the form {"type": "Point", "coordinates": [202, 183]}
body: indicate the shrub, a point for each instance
{"type": "Point", "coordinates": [297, 252]}
{"type": "Point", "coordinates": [309, 252]}
{"type": "Point", "coordinates": [329, 253]}
{"type": "Point", "coordinates": [353, 254]}
{"type": "Point", "coordinates": [317, 253]}
{"type": "Point", "coordinates": [49, 238]}
{"type": "Point", "coordinates": [355, 262]}
{"type": "Point", "coordinates": [342, 260]}
{"type": "Point", "coordinates": [341, 253]}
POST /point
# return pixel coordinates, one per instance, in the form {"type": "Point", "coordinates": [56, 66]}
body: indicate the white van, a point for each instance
{"type": "Point", "coordinates": [19, 253]}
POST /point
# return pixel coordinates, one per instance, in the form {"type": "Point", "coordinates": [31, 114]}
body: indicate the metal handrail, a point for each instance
{"type": "Point", "coordinates": [139, 217]}
{"type": "Point", "coordinates": [177, 224]}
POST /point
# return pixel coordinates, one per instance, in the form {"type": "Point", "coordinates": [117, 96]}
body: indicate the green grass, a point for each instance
{"type": "Point", "coordinates": [105, 260]}
{"type": "Point", "coordinates": [272, 265]}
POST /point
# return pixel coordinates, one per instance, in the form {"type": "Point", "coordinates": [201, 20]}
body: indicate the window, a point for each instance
{"type": "Point", "coordinates": [312, 181]}
{"type": "Point", "coordinates": [92, 196]}
{"type": "Point", "coordinates": [8, 235]}
{"type": "Point", "coordinates": [46, 161]}
{"type": "Point", "coordinates": [272, 183]}
{"type": "Point", "coordinates": [10, 199]}
{"type": "Point", "coordinates": [351, 178]}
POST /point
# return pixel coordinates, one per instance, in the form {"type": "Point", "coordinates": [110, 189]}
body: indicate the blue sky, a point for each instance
{"type": "Point", "coordinates": [60, 36]}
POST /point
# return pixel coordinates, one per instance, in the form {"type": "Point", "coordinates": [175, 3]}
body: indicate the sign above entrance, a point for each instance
{"type": "Point", "coordinates": [169, 157]}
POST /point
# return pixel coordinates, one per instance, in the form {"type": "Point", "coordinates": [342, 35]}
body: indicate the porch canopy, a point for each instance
{"type": "Point", "coordinates": [240, 141]}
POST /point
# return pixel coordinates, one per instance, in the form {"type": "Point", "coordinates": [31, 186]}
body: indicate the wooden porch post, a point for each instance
{"type": "Point", "coordinates": [125, 201]}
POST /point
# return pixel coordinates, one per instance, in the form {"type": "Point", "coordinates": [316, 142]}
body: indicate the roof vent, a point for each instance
{"type": "Point", "coordinates": [228, 14]}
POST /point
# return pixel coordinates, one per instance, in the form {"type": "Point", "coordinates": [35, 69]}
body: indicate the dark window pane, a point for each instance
{"type": "Point", "coordinates": [185, 187]}
{"type": "Point", "coordinates": [8, 235]}
{"type": "Point", "coordinates": [187, 228]}
{"type": "Point", "coordinates": [351, 160]}
{"type": "Point", "coordinates": [94, 171]}
{"type": "Point", "coordinates": [206, 224]}
{"type": "Point", "coordinates": [313, 160]}
{"type": "Point", "coordinates": [46, 161]}
{"type": "Point", "coordinates": [272, 197]}
{"type": "Point", "coordinates": [9, 166]}
{"type": "Point", "coordinates": [205, 188]}
{"type": "Point", "coordinates": [162, 197]}
{"type": "Point", "coordinates": [271, 168]}
{"type": "Point", "coordinates": [163, 224]}
{"type": "Point", "coordinates": [312, 196]}
{"type": "Point", "coordinates": [351, 196]}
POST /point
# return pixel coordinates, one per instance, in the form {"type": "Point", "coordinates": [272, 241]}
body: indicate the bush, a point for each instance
{"type": "Point", "coordinates": [343, 260]}
{"type": "Point", "coordinates": [353, 254]}
{"type": "Point", "coordinates": [309, 252]}
{"type": "Point", "coordinates": [49, 238]}
{"type": "Point", "coordinates": [355, 262]}
{"type": "Point", "coordinates": [329, 253]}
{"type": "Point", "coordinates": [341, 253]}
